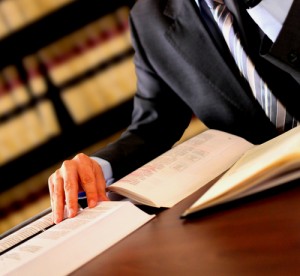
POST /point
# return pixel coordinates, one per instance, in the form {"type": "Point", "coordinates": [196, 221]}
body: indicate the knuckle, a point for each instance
{"type": "Point", "coordinates": [56, 175]}
{"type": "Point", "coordinates": [66, 164]}
{"type": "Point", "coordinates": [80, 156]}
{"type": "Point", "coordinates": [54, 178]}
{"type": "Point", "coordinates": [68, 185]}
{"type": "Point", "coordinates": [87, 179]}
{"type": "Point", "coordinates": [70, 201]}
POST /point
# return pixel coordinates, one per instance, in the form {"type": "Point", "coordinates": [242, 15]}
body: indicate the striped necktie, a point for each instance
{"type": "Point", "coordinates": [275, 111]}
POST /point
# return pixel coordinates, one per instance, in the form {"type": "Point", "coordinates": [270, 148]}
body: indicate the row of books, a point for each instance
{"type": "Point", "coordinates": [28, 117]}
{"type": "Point", "coordinates": [87, 48]}
{"type": "Point", "coordinates": [101, 91]}
{"type": "Point", "coordinates": [28, 129]}
{"type": "Point", "coordinates": [15, 14]}
{"type": "Point", "coordinates": [64, 60]}
{"type": "Point", "coordinates": [15, 91]}
{"type": "Point", "coordinates": [90, 97]}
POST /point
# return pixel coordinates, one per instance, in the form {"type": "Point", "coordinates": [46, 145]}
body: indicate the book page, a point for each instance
{"type": "Point", "coordinates": [263, 162]}
{"type": "Point", "coordinates": [26, 232]}
{"type": "Point", "coordinates": [179, 172]}
{"type": "Point", "coordinates": [73, 242]}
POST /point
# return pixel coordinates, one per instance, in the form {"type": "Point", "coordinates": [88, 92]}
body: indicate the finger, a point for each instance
{"type": "Point", "coordinates": [70, 177]}
{"type": "Point", "coordinates": [100, 181]}
{"type": "Point", "coordinates": [87, 178]}
{"type": "Point", "coordinates": [57, 197]}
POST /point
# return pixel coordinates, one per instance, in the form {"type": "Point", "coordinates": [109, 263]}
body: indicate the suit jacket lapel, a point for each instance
{"type": "Point", "coordinates": [186, 33]}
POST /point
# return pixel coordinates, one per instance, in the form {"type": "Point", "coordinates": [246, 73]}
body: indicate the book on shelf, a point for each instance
{"type": "Point", "coordinates": [26, 130]}
{"type": "Point", "coordinates": [40, 246]}
{"type": "Point", "coordinates": [31, 9]}
{"type": "Point", "coordinates": [12, 14]}
{"type": "Point", "coordinates": [7, 101]}
{"type": "Point", "coordinates": [16, 86]}
{"type": "Point", "coordinates": [15, 14]}
{"type": "Point", "coordinates": [101, 91]}
{"type": "Point", "coordinates": [35, 79]}
{"type": "Point", "coordinates": [87, 48]}
{"type": "Point", "coordinates": [3, 27]}
{"type": "Point", "coordinates": [247, 169]}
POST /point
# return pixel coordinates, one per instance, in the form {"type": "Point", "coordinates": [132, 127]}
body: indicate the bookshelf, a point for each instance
{"type": "Point", "coordinates": [66, 80]}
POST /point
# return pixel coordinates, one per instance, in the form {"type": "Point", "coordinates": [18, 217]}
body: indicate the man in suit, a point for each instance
{"type": "Point", "coordinates": [184, 67]}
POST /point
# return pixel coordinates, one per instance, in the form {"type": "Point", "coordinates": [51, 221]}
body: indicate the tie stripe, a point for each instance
{"type": "Point", "coordinates": [275, 111]}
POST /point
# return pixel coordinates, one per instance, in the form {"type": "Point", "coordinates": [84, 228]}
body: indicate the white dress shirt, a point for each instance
{"type": "Point", "coordinates": [269, 15]}
{"type": "Point", "coordinates": [106, 169]}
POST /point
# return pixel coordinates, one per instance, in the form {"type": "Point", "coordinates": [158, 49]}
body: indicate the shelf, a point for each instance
{"type": "Point", "coordinates": [69, 142]}
{"type": "Point", "coordinates": [57, 24]}
{"type": "Point", "coordinates": [73, 137]}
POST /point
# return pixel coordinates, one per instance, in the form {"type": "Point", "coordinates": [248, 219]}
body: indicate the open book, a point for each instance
{"type": "Point", "coordinates": [264, 166]}
{"type": "Point", "coordinates": [179, 172]}
{"type": "Point", "coordinates": [43, 248]}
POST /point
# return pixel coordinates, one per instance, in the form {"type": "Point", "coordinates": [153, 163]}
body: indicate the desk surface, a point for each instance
{"type": "Point", "coordinates": [258, 237]}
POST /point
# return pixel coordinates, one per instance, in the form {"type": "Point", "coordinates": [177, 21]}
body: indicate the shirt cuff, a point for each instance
{"type": "Point", "coordinates": [107, 173]}
{"type": "Point", "coordinates": [106, 169]}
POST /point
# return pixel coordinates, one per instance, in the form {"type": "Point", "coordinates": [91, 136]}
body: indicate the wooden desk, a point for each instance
{"type": "Point", "coordinates": [258, 237]}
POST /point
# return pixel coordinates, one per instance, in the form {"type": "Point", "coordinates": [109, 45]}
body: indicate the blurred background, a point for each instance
{"type": "Point", "coordinates": [66, 85]}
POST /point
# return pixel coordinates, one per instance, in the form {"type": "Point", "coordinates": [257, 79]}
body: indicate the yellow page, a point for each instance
{"type": "Point", "coordinates": [256, 163]}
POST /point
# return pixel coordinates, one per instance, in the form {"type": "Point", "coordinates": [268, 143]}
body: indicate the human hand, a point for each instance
{"type": "Point", "coordinates": [79, 174]}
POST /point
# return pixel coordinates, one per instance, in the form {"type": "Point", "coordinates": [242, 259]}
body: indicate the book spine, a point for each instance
{"type": "Point", "coordinates": [35, 79]}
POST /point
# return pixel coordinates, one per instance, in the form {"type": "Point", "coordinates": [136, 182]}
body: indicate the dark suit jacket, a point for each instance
{"type": "Point", "coordinates": [184, 69]}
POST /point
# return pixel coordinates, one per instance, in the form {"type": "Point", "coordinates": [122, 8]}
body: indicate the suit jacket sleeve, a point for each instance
{"type": "Point", "coordinates": [285, 51]}
{"type": "Point", "coordinates": [159, 116]}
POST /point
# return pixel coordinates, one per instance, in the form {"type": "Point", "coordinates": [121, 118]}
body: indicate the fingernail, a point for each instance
{"type": "Point", "coordinates": [56, 220]}
{"type": "Point", "coordinates": [103, 198]}
{"type": "Point", "coordinates": [71, 213]}
{"type": "Point", "coordinates": [53, 218]}
{"type": "Point", "coordinates": [92, 203]}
